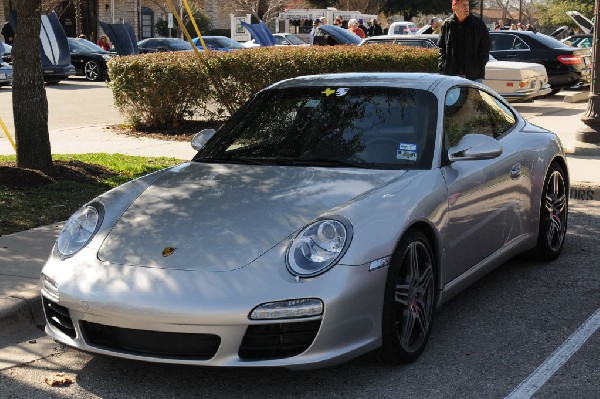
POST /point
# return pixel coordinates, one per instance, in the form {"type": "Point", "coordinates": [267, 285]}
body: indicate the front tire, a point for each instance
{"type": "Point", "coordinates": [409, 300]}
{"type": "Point", "coordinates": [553, 214]}
{"type": "Point", "coordinates": [93, 71]}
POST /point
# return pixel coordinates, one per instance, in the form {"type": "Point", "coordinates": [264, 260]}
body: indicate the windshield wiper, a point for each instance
{"type": "Point", "coordinates": [331, 162]}
{"type": "Point", "coordinates": [240, 161]}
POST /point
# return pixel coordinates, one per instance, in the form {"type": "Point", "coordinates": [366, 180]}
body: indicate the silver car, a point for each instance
{"type": "Point", "coordinates": [329, 217]}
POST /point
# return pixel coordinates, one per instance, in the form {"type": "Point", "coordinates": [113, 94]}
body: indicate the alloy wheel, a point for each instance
{"type": "Point", "coordinates": [555, 204]}
{"type": "Point", "coordinates": [414, 297]}
{"type": "Point", "coordinates": [92, 71]}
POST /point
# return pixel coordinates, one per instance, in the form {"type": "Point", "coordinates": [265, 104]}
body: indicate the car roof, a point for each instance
{"type": "Point", "coordinates": [410, 80]}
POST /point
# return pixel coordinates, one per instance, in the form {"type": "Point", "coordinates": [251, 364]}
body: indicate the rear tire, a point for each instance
{"type": "Point", "coordinates": [553, 215]}
{"type": "Point", "coordinates": [409, 300]}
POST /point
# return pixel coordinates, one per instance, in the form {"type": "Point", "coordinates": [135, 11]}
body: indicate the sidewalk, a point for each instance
{"type": "Point", "coordinates": [22, 255]}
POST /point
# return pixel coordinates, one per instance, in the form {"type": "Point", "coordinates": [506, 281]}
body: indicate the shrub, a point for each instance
{"type": "Point", "coordinates": [165, 88]}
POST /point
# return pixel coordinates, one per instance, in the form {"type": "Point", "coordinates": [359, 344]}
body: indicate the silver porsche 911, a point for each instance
{"type": "Point", "coordinates": [327, 218]}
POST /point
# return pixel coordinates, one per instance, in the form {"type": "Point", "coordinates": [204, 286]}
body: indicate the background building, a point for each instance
{"type": "Point", "coordinates": [142, 15]}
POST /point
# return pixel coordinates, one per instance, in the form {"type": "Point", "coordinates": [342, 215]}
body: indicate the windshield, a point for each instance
{"type": "Point", "coordinates": [84, 46]}
{"type": "Point", "coordinates": [295, 40]}
{"type": "Point", "coordinates": [371, 127]}
{"type": "Point", "coordinates": [221, 42]}
{"type": "Point", "coordinates": [179, 45]}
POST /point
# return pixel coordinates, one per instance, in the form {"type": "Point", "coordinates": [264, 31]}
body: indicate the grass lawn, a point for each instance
{"type": "Point", "coordinates": [30, 198]}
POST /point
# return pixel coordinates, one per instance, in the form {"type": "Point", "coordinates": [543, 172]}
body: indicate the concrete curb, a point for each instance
{"type": "Point", "coordinates": [577, 97]}
{"type": "Point", "coordinates": [584, 191]}
{"type": "Point", "coordinates": [19, 312]}
{"type": "Point", "coordinates": [583, 149]}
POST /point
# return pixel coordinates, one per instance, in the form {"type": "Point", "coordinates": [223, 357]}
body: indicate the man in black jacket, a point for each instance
{"type": "Point", "coordinates": [464, 45]}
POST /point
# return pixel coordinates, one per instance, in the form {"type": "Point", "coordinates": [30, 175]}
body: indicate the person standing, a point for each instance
{"type": "Point", "coordinates": [353, 27]}
{"type": "Point", "coordinates": [375, 28]}
{"type": "Point", "coordinates": [464, 45]}
{"type": "Point", "coordinates": [311, 35]}
{"type": "Point", "coordinates": [362, 26]}
{"type": "Point", "coordinates": [8, 32]}
{"type": "Point", "coordinates": [104, 43]}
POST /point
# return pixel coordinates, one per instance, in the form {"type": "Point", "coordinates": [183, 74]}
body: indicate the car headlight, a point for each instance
{"type": "Point", "coordinates": [318, 247]}
{"type": "Point", "coordinates": [79, 229]}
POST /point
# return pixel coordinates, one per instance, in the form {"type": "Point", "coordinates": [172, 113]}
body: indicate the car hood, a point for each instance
{"type": "Point", "coordinates": [342, 36]}
{"type": "Point", "coordinates": [222, 217]}
{"type": "Point", "coordinates": [586, 25]}
{"type": "Point", "coordinates": [513, 70]}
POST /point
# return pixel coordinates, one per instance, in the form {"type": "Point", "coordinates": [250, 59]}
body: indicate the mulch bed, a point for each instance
{"type": "Point", "coordinates": [21, 178]}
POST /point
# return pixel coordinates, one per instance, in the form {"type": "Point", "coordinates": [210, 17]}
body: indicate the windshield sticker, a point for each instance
{"type": "Point", "coordinates": [312, 103]}
{"type": "Point", "coordinates": [339, 92]}
{"type": "Point", "coordinates": [407, 151]}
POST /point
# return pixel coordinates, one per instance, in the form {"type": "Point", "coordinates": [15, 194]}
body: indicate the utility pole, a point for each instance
{"type": "Point", "coordinates": [591, 132]}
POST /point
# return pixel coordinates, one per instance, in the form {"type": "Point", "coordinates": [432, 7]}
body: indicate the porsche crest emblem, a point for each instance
{"type": "Point", "coordinates": [168, 251]}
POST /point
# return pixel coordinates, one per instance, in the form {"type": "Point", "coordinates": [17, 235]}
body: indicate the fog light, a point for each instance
{"type": "Point", "coordinates": [49, 287]}
{"type": "Point", "coordinates": [294, 308]}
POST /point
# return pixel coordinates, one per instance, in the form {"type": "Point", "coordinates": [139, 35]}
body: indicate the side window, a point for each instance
{"type": "Point", "coordinates": [519, 44]}
{"type": "Point", "coordinates": [470, 110]}
{"type": "Point", "coordinates": [502, 42]}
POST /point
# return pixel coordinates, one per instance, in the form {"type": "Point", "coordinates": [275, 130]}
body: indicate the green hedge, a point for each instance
{"type": "Point", "coordinates": [165, 88]}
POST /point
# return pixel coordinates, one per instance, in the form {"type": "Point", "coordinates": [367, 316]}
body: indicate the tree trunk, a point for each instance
{"type": "Point", "coordinates": [78, 21]}
{"type": "Point", "coordinates": [30, 105]}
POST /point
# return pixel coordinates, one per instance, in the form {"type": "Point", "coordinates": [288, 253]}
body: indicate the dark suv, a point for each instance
{"type": "Point", "coordinates": [566, 66]}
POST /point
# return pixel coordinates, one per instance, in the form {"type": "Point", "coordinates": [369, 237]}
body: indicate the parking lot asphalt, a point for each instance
{"type": "Point", "coordinates": [22, 255]}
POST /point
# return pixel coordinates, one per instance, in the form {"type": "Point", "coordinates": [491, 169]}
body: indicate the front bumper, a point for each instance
{"type": "Point", "coordinates": [58, 72]}
{"type": "Point", "coordinates": [202, 318]}
{"type": "Point", "coordinates": [527, 94]}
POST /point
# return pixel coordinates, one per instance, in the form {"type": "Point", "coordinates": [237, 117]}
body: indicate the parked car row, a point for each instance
{"type": "Point", "coordinates": [515, 81]}
{"type": "Point", "coordinates": [564, 65]}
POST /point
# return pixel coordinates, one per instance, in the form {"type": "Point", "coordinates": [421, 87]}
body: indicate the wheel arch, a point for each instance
{"type": "Point", "coordinates": [432, 235]}
{"type": "Point", "coordinates": [562, 162]}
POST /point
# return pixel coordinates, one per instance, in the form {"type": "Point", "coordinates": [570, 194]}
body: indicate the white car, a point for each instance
{"type": "Point", "coordinates": [402, 28]}
{"type": "Point", "coordinates": [517, 81]}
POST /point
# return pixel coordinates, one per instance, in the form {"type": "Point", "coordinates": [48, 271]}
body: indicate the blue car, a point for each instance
{"type": "Point", "coordinates": [218, 43]}
{"type": "Point", "coordinates": [6, 74]}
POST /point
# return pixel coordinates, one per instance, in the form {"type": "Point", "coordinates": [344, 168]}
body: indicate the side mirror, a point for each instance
{"type": "Point", "coordinates": [201, 138]}
{"type": "Point", "coordinates": [475, 147]}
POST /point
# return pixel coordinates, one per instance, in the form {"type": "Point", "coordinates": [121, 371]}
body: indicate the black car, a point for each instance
{"type": "Point", "coordinates": [89, 59]}
{"type": "Point", "coordinates": [163, 44]}
{"type": "Point", "coordinates": [566, 66]}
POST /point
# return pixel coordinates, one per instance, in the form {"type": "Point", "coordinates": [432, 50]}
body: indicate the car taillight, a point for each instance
{"type": "Point", "coordinates": [570, 59]}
